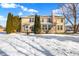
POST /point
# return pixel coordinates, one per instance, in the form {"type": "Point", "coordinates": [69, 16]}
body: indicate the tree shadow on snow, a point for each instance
{"type": "Point", "coordinates": [3, 53]}
{"type": "Point", "coordinates": [44, 51]}
{"type": "Point", "coordinates": [2, 32]}
{"type": "Point", "coordinates": [18, 50]}
{"type": "Point", "coordinates": [60, 38]}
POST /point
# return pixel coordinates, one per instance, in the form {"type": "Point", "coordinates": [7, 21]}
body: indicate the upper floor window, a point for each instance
{"type": "Point", "coordinates": [31, 20]}
{"type": "Point", "coordinates": [62, 20]}
{"type": "Point", "coordinates": [42, 20]}
{"type": "Point", "coordinates": [49, 20]}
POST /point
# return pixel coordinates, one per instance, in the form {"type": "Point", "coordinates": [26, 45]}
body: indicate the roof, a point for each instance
{"type": "Point", "coordinates": [33, 16]}
{"type": "Point", "coordinates": [28, 16]}
{"type": "Point", "coordinates": [60, 16]}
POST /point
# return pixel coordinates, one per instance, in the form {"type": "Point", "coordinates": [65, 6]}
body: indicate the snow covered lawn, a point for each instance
{"type": "Point", "coordinates": [39, 45]}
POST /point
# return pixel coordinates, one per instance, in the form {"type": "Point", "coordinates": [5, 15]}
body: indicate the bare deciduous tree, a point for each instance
{"type": "Point", "coordinates": [71, 13]}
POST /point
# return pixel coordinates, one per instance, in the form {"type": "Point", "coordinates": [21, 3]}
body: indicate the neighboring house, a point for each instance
{"type": "Point", "coordinates": [1, 29]}
{"type": "Point", "coordinates": [49, 24]}
{"type": "Point", "coordinates": [27, 23]}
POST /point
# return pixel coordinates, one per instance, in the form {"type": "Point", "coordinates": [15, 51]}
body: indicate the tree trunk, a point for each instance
{"type": "Point", "coordinates": [75, 25]}
{"type": "Point", "coordinates": [75, 17]}
{"type": "Point", "coordinates": [75, 29]}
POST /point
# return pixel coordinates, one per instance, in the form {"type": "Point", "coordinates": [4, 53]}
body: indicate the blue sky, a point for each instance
{"type": "Point", "coordinates": [24, 9]}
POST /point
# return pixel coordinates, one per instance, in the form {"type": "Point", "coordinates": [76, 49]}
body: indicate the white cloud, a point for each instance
{"type": "Point", "coordinates": [57, 12]}
{"type": "Point", "coordinates": [3, 20]}
{"type": "Point", "coordinates": [12, 5]}
{"type": "Point", "coordinates": [20, 14]}
{"type": "Point", "coordinates": [32, 10]}
{"type": "Point", "coordinates": [8, 5]}
{"type": "Point", "coordinates": [27, 9]}
{"type": "Point", "coordinates": [23, 8]}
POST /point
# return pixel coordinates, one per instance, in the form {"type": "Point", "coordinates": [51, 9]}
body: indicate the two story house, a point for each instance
{"type": "Point", "coordinates": [49, 24]}
{"type": "Point", "coordinates": [27, 23]}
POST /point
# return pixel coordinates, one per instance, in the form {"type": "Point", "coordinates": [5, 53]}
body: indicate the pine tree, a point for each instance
{"type": "Point", "coordinates": [9, 27]}
{"type": "Point", "coordinates": [17, 23]}
{"type": "Point", "coordinates": [13, 23]}
{"type": "Point", "coordinates": [37, 25]}
{"type": "Point", "coordinates": [19, 29]}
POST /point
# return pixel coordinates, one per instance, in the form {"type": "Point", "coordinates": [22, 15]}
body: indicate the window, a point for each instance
{"type": "Point", "coordinates": [62, 20]}
{"type": "Point", "coordinates": [49, 27]}
{"type": "Point", "coordinates": [42, 20]}
{"type": "Point", "coordinates": [25, 27]}
{"type": "Point", "coordinates": [44, 27]}
{"type": "Point", "coordinates": [31, 20]}
{"type": "Point", "coordinates": [61, 28]}
{"type": "Point", "coordinates": [49, 20]}
{"type": "Point", "coordinates": [58, 27]}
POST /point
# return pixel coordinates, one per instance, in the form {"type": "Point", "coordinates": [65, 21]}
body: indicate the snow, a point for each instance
{"type": "Point", "coordinates": [21, 44]}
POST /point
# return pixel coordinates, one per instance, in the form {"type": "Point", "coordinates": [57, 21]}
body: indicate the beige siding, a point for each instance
{"type": "Point", "coordinates": [55, 21]}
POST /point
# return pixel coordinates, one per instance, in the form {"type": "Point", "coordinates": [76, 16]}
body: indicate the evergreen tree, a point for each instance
{"type": "Point", "coordinates": [9, 25]}
{"type": "Point", "coordinates": [37, 25]}
{"type": "Point", "coordinates": [13, 23]}
{"type": "Point", "coordinates": [19, 29]}
{"type": "Point", "coordinates": [17, 23]}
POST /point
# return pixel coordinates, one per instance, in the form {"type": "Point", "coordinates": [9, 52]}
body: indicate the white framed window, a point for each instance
{"type": "Point", "coordinates": [31, 19]}
{"type": "Point", "coordinates": [60, 27]}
